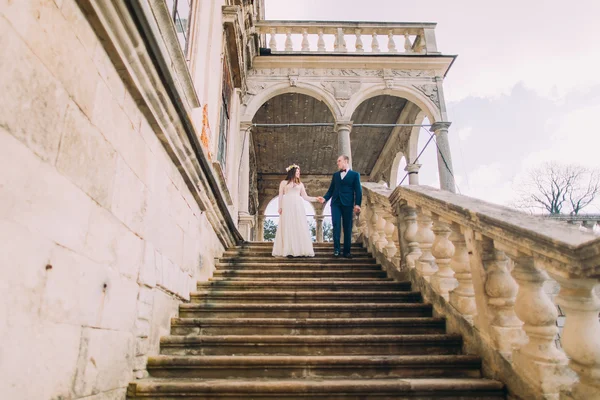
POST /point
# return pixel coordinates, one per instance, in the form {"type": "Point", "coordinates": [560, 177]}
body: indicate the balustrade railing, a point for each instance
{"type": "Point", "coordinates": [347, 37]}
{"type": "Point", "coordinates": [488, 264]}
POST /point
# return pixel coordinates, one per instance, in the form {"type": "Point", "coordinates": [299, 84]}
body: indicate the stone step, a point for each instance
{"type": "Point", "coordinates": [291, 285]}
{"type": "Point", "coordinates": [297, 261]}
{"type": "Point", "coordinates": [298, 345]}
{"type": "Point", "coordinates": [299, 273]}
{"type": "Point", "coordinates": [286, 367]}
{"type": "Point", "coordinates": [267, 251]}
{"type": "Point", "coordinates": [330, 389]}
{"type": "Point", "coordinates": [322, 245]}
{"type": "Point", "coordinates": [307, 326]}
{"type": "Point", "coordinates": [305, 296]}
{"type": "Point", "coordinates": [266, 266]}
{"type": "Point", "coordinates": [307, 310]}
{"type": "Point", "coordinates": [284, 279]}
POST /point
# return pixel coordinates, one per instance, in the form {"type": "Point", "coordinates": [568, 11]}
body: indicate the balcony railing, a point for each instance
{"type": "Point", "coordinates": [485, 267]}
{"type": "Point", "coordinates": [348, 37]}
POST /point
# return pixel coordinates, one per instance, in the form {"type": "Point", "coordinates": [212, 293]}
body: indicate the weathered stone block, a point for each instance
{"type": "Point", "coordinates": [86, 158]}
{"type": "Point", "coordinates": [79, 24]}
{"type": "Point", "coordinates": [130, 198]}
{"type": "Point", "coordinates": [25, 257]}
{"type": "Point", "coordinates": [33, 101]}
{"type": "Point", "coordinates": [75, 291]}
{"type": "Point", "coordinates": [39, 198]}
{"type": "Point", "coordinates": [147, 274]}
{"type": "Point", "coordinates": [105, 361]}
{"type": "Point", "coordinates": [42, 349]}
{"type": "Point", "coordinates": [110, 241]}
{"type": "Point", "coordinates": [50, 36]}
{"type": "Point", "coordinates": [165, 308]}
{"type": "Point", "coordinates": [120, 305]}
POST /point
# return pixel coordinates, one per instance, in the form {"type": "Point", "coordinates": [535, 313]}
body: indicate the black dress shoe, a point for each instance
{"type": "Point", "coordinates": [336, 253]}
{"type": "Point", "coordinates": [348, 255]}
{"type": "Point", "coordinates": [290, 256]}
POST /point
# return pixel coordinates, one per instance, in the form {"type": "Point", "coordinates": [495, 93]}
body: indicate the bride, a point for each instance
{"type": "Point", "coordinates": [292, 238]}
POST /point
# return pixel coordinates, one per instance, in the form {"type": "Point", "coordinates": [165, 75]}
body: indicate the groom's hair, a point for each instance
{"type": "Point", "coordinates": [345, 157]}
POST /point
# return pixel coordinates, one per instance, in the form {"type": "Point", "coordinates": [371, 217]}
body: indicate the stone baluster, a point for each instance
{"type": "Point", "coordinates": [580, 338]}
{"type": "Point", "coordinates": [443, 250]}
{"type": "Point", "coordinates": [501, 290]}
{"type": "Point", "coordinates": [363, 220]}
{"type": "Point", "coordinates": [391, 43]}
{"type": "Point", "coordinates": [410, 236]}
{"type": "Point", "coordinates": [359, 43]}
{"type": "Point", "coordinates": [375, 43]}
{"type": "Point", "coordinates": [407, 43]}
{"type": "Point", "coordinates": [273, 41]}
{"type": "Point", "coordinates": [289, 45]}
{"type": "Point", "coordinates": [305, 43]}
{"type": "Point", "coordinates": [426, 263]}
{"type": "Point", "coordinates": [380, 226]}
{"type": "Point", "coordinates": [463, 296]}
{"type": "Point", "coordinates": [321, 41]}
{"type": "Point", "coordinates": [390, 249]}
{"type": "Point", "coordinates": [340, 41]}
{"type": "Point", "coordinates": [373, 234]}
{"type": "Point", "coordinates": [538, 360]}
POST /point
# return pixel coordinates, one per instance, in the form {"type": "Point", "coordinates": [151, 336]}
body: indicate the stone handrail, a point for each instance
{"type": "Point", "coordinates": [318, 36]}
{"type": "Point", "coordinates": [484, 267]}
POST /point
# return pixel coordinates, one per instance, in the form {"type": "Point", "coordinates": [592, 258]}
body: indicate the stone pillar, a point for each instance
{"type": "Point", "coordinates": [344, 145]}
{"type": "Point", "coordinates": [245, 220]}
{"type": "Point", "coordinates": [260, 228]}
{"type": "Point", "coordinates": [319, 222]}
{"type": "Point", "coordinates": [445, 169]}
{"type": "Point", "coordinates": [413, 173]}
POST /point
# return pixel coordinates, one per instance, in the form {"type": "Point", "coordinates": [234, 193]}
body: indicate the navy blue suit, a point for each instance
{"type": "Point", "coordinates": [344, 194]}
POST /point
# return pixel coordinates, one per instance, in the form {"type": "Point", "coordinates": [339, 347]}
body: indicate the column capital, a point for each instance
{"type": "Point", "coordinates": [412, 168]}
{"type": "Point", "coordinates": [245, 125]}
{"type": "Point", "coordinates": [343, 125]}
{"type": "Point", "coordinates": [440, 125]}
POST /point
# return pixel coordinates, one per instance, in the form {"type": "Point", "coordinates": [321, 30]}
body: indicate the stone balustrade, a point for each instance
{"type": "Point", "coordinates": [484, 267]}
{"type": "Point", "coordinates": [347, 37]}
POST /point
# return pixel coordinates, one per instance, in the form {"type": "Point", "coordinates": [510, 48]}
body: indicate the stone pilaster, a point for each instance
{"type": "Point", "coordinates": [245, 220]}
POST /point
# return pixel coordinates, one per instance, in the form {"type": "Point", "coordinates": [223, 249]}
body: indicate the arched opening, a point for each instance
{"type": "Point", "coordinates": [368, 142]}
{"type": "Point", "coordinates": [398, 175]}
{"type": "Point", "coordinates": [271, 219]}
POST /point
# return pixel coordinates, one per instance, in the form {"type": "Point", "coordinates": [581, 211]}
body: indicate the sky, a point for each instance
{"type": "Point", "coordinates": [524, 89]}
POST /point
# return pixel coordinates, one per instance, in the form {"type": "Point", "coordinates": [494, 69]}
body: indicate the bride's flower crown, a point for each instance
{"type": "Point", "coordinates": [291, 166]}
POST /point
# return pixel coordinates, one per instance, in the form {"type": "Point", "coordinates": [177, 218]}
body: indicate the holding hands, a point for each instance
{"type": "Point", "coordinates": [320, 199]}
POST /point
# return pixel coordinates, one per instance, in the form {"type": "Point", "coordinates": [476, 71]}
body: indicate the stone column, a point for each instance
{"type": "Point", "coordinates": [413, 173]}
{"type": "Point", "coordinates": [344, 146]}
{"type": "Point", "coordinates": [445, 169]}
{"type": "Point", "coordinates": [245, 220]}
{"type": "Point", "coordinates": [260, 228]}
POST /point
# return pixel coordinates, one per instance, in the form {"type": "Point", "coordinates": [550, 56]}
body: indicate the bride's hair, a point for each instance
{"type": "Point", "coordinates": [291, 175]}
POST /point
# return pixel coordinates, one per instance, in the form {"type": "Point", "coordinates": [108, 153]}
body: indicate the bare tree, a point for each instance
{"type": "Point", "coordinates": [558, 189]}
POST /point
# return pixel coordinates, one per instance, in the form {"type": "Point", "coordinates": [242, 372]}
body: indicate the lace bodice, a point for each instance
{"type": "Point", "coordinates": [292, 189]}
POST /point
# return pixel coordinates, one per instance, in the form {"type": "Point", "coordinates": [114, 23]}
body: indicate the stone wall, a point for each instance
{"type": "Point", "coordinates": [100, 236]}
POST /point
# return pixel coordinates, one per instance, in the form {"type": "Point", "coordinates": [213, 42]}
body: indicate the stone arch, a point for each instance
{"type": "Point", "coordinates": [397, 169]}
{"type": "Point", "coordinates": [413, 95]}
{"type": "Point", "coordinates": [282, 88]}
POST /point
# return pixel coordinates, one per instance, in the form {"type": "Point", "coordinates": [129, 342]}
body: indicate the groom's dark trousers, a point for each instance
{"type": "Point", "coordinates": [342, 215]}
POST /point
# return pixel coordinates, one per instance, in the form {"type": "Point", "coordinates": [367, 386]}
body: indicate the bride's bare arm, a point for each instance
{"type": "Point", "coordinates": [280, 199]}
{"type": "Point", "coordinates": [305, 196]}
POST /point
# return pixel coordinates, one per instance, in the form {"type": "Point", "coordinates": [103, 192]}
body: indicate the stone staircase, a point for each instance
{"type": "Point", "coordinates": [322, 327]}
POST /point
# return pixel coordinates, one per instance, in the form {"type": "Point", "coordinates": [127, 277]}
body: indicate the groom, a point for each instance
{"type": "Point", "coordinates": [345, 193]}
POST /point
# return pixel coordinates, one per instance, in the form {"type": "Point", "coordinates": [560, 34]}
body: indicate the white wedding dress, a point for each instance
{"type": "Point", "coordinates": [293, 233]}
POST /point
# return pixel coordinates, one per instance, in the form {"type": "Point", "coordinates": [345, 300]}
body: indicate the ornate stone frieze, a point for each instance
{"type": "Point", "coordinates": [341, 90]}
{"type": "Point", "coordinates": [431, 91]}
